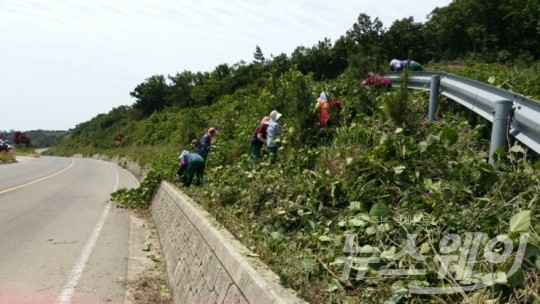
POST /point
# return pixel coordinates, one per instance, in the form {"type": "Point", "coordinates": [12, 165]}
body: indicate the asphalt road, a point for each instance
{"type": "Point", "coordinates": [61, 240]}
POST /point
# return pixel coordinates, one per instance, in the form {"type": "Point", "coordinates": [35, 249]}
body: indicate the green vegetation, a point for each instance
{"type": "Point", "coordinates": [6, 157]}
{"type": "Point", "coordinates": [378, 178]}
{"type": "Point", "coordinates": [371, 176]}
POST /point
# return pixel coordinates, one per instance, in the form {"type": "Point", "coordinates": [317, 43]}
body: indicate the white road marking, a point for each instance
{"type": "Point", "coordinates": [69, 288]}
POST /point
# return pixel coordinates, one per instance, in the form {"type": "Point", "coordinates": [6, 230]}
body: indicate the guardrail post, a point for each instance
{"type": "Point", "coordinates": [499, 131]}
{"type": "Point", "coordinates": [433, 97]}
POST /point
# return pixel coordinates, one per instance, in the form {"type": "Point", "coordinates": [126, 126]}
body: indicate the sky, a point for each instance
{"type": "Point", "coordinates": [63, 62]}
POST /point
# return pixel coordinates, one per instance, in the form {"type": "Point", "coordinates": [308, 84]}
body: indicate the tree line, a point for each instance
{"type": "Point", "coordinates": [34, 138]}
{"type": "Point", "coordinates": [488, 30]}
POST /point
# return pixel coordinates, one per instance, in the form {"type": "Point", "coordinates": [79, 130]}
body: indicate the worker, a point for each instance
{"type": "Point", "coordinates": [400, 65]}
{"type": "Point", "coordinates": [191, 164]}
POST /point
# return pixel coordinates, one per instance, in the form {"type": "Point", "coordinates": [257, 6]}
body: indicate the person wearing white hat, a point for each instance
{"type": "Point", "coordinates": [191, 165]}
{"type": "Point", "coordinates": [400, 65]}
{"type": "Point", "coordinates": [272, 133]}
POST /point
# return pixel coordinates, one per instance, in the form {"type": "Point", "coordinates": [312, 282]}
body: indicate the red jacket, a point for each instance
{"type": "Point", "coordinates": [324, 109]}
{"type": "Point", "coordinates": [377, 80]}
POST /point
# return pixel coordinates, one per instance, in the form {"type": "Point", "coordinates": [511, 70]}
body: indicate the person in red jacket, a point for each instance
{"type": "Point", "coordinates": [324, 103]}
{"type": "Point", "coordinates": [258, 139]}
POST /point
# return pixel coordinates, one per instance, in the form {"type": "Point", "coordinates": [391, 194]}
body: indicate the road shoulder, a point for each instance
{"type": "Point", "coordinates": [146, 278]}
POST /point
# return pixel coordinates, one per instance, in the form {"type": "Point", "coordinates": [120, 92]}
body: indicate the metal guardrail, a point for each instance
{"type": "Point", "coordinates": [484, 99]}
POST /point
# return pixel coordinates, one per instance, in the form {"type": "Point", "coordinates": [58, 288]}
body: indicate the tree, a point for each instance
{"type": "Point", "coordinates": [403, 37]}
{"type": "Point", "coordinates": [522, 33]}
{"type": "Point", "coordinates": [259, 57]}
{"type": "Point", "coordinates": [279, 64]}
{"type": "Point", "coordinates": [321, 60]}
{"type": "Point", "coordinates": [221, 72]}
{"type": "Point", "coordinates": [152, 95]}
{"type": "Point", "coordinates": [207, 93]}
{"type": "Point", "coordinates": [367, 35]}
{"type": "Point", "coordinates": [21, 139]}
{"type": "Point", "coordinates": [244, 74]}
{"type": "Point", "coordinates": [180, 89]}
{"type": "Point", "coordinates": [493, 29]}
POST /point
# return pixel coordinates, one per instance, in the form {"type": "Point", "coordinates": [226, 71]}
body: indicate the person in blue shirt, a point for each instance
{"type": "Point", "coordinates": [205, 143]}
{"type": "Point", "coordinates": [272, 133]}
{"type": "Point", "coordinates": [191, 165]}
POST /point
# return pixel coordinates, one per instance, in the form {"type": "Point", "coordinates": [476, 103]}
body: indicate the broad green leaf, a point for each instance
{"type": "Point", "coordinates": [399, 130]}
{"type": "Point", "coordinates": [398, 286]}
{"type": "Point", "coordinates": [355, 206]}
{"type": "Point", "coordinates": [424, 248]}
{"type": "Point", "coordinates": [517, 279]}
{"type": "Point", "coordinates": [379, 210]}
{"type": "Point", "coordinates": [334, 285]}
{"type": "Point", "coordinates": [324, 238]}
{"type": "Point", "coordinates": [423, 146]}
{"type": "Point", "coordinates": [450, 135]}
{"type": "Point", "coordinates": [357, 222]}
{"type": "Point", "coordinates": [498, 277]}
{"type": "Point", "coordinates": [368, 249]}
{"type": "Point", "coordinates": [385, 227]}
{"type": "Point", "coordinates": [520, 222]}
{"type": "Point", "coordinates": [388, 252]}
{"type": "Point", "coordinates": [517, 148]}
{"type": "Point", "coordinates": [310, 226]}
{"type": "Point", "coordinates": [291, 130]}
{"type": "Point", "coordinates": [436, 187]}
{"type": "Point", "coordinates": [340, 260]}
{"type": "Point", "coordinates": [399, 169]}
{"type": "Point", "coordinates": [531, 250]}
{"type": "Point", "coordinates": [309, 264]}
{"type": "Point", "coordinates": [371, 231]}
{"type": "Point", "coordinates": [275, 235]}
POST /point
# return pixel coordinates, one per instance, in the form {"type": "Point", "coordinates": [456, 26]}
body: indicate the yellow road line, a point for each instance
{"type": "Point", "coordinates": [39, 179]}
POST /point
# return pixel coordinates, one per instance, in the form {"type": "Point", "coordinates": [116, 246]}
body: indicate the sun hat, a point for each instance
{"type": "Point", "coordinates": [323, 95]}
{"type": "Point", "coordinates": [182, 154]}
{"type": "Point", "coordinates": [275, 115]}
{"type": "Point", "coordinates": [212, 131]}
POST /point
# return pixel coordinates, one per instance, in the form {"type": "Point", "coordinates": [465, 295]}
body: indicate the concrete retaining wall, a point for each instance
{"type": "Point", "coordinates": [205, 263]}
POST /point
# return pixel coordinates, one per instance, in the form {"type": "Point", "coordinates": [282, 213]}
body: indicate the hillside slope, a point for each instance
{"type": "Point", "coordinates": [380, 187]}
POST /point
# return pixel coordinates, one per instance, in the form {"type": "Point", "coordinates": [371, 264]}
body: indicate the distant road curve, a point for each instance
{"type": "Point", "coordinates": [61, 241]}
